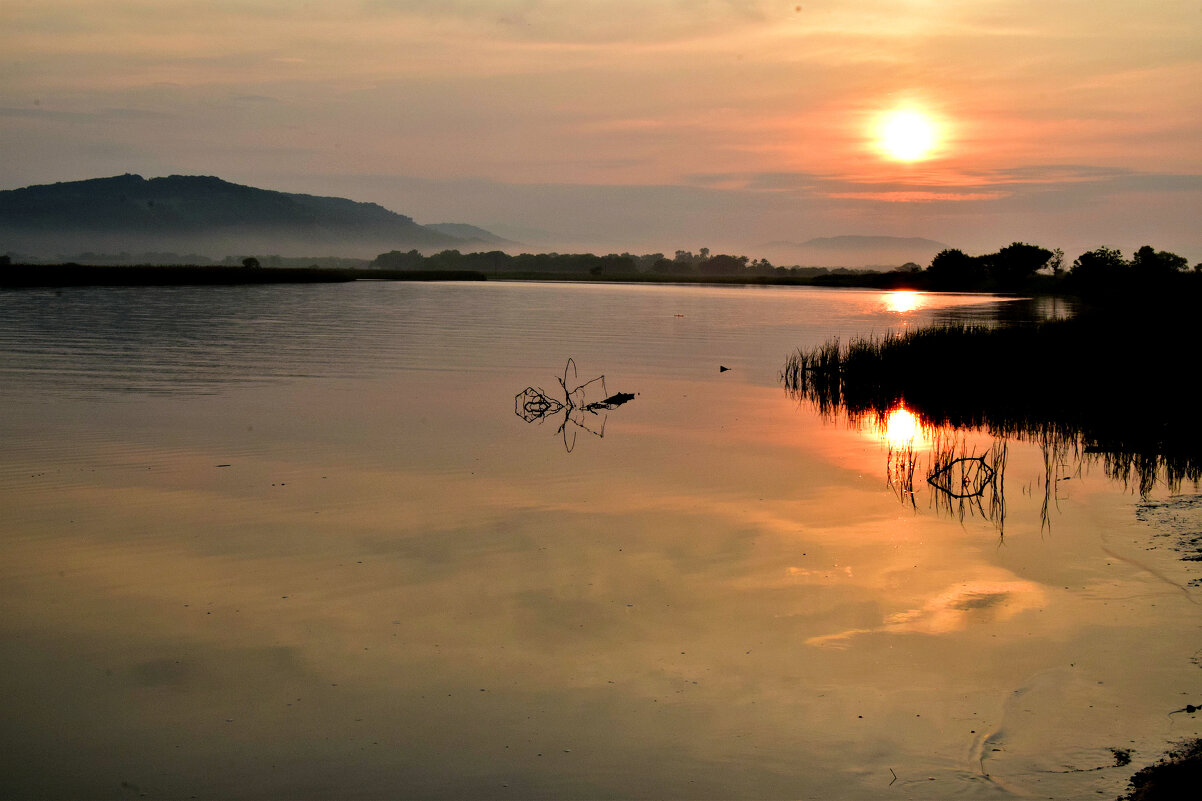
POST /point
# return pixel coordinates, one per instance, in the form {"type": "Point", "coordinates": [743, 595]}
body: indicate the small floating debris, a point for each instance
{"type": "Point", "coordinates": [722, 368]}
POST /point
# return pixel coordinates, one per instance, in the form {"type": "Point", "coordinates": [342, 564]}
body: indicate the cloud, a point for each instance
{"type": "Point", "coordinates": [919, 196]}
{"type": "Point", "coordinates": [954, 186]}
{"type": "Point", "coordinates": [597, 22]}
{"type": "Point", "coordinates": [954, 609]}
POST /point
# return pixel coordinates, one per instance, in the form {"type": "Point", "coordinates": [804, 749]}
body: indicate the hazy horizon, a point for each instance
{"type": "Point", "coordinates": [642, 127]}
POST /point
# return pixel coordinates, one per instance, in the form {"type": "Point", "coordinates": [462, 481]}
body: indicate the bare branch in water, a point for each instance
{"type": "Point", "coordinates": [582, 405]}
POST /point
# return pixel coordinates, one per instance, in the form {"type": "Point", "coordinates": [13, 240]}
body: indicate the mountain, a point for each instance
{"type": "Point", "coordinates": [855, 251]}
{"type": "Point", "coordinates": [525, 234]}
{"type": "Point", "coordinates": [870, 242]}
{"type": "Point", "coordinates": [206, 216]}
{"type": "Point", "coordinates": [471, 233]}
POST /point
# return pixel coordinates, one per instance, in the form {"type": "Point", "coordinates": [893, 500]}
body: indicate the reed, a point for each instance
{"type": "Point", "coordinates": [1114, 389]}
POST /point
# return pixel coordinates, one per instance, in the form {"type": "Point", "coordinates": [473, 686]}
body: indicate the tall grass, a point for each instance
{"type": "Point", "coordinates": [1112, 388]}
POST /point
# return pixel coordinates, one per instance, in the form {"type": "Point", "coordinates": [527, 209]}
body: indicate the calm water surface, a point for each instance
{"type": "Point", "coordinates": [294, 542]}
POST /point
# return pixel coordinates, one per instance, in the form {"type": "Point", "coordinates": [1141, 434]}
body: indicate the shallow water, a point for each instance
{"type": "Point", "coordinates": [294, 542]}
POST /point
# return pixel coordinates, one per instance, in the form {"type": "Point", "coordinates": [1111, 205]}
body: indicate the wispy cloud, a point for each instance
{"type": "Point", "coordinates": [919, 196]}
{"type": "Point", "coordinates": [601, 21]}
{"type": "Point", "coordinates": [952, 610]}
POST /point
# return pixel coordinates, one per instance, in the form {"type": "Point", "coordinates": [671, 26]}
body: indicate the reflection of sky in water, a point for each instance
{"type": "Point", "coordinates": [171, 339]}
{"type": "Point", "coordinates": [397, 587]}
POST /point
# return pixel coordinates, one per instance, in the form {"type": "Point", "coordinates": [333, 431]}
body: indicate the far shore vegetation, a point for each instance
{"type": "Point", "coordinates": [1018, 268]}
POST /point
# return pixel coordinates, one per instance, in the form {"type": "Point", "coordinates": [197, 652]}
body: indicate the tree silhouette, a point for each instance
{"type": "Point", "coordinates": [1016, 263]}
{"type": "Point", "coordinates": [1149, 263]}
{"type": "Point", "coordinates": [953, 268]}
{"type": "Point", "coordinates": [1101, 261]}
{"type": "Point", "coordinates": [723, 264]}
{"type": "Point", "coordinates": [1056, 262]}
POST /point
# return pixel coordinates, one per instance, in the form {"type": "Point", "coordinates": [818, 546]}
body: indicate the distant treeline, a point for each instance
{"type": "Point", "coordinates": [1018, 267]}
{"type": "Point", "coordinates": [584, 265]}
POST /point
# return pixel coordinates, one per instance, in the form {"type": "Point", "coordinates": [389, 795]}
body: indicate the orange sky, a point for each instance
{"type": "Point", "coordinates": [618, 124]}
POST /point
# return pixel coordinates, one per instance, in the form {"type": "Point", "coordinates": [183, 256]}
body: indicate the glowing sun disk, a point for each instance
{"type": "Point", "coordinates": [906, 135]}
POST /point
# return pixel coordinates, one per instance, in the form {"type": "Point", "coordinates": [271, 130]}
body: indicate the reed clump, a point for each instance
{"type": "Point", "coordinates": [1114, 386]}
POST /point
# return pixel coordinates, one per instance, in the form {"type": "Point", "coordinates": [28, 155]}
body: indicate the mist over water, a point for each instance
{"type": "Point", "coordinates": [293, 541]}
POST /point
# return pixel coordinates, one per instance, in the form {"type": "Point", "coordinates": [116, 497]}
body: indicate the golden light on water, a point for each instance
{"type": "Point", "coordinates": [903, 300]}
{"type": "Point", "coordinates": [902, 429]}
{"type": "Point", "coordinates": [906, 135]}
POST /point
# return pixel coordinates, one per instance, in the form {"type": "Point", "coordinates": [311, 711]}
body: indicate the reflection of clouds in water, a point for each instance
{"type": "Point", "coordinates": [801, 572]}
{"type": "Point", "coordinates": [953, 610]}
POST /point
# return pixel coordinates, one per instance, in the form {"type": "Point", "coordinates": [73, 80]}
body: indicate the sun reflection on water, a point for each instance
{"type": "Point", "coordinates": [903, 300]}
{"type": "Point", "coordinates": [902, 429]}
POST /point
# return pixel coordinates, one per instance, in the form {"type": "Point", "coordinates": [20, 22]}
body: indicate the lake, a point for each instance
{"type": "Point", "coordinates": [308, 542]}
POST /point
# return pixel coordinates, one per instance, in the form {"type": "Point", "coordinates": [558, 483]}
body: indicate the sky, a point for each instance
{"type": "Point", "coordinates": [640, 125]}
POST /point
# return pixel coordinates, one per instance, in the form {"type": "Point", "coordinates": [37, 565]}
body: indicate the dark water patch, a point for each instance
{"type": "Point", "coordinates": [114, 341]}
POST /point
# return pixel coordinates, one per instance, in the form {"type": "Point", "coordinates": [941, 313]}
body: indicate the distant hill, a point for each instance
{"type": "Point", "coordinates": [209, 217]}
{"type": "Point", "coordinates": [870, 242]}
{"type": "Point", "coordinates": [855, 251]}
{"type": "Point", "coordinates": [524, 234]}
{"type": "Point", "coordinates": [470, 233]}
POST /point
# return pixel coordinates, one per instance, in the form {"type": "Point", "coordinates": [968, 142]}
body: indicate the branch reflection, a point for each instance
{"type": "Point", "coordinates": [963, 482]}
{"type": "Point", "coordinates": [583, 406]}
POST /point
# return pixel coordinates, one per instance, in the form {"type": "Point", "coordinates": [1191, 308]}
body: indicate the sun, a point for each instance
{"type": "Point", "coordinates": [906, 135]}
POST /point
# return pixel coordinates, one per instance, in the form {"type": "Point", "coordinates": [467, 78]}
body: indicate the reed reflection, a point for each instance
{"type": "Point", "coordinates": [1082, 390]}
{"type": "Point", "coordinates": [963, 480]}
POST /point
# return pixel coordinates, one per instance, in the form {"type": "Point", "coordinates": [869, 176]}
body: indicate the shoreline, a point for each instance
{"type": "Point", "coordinates": [18, 276]}
{"type": "Point", "coordinates": [22, 275]}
